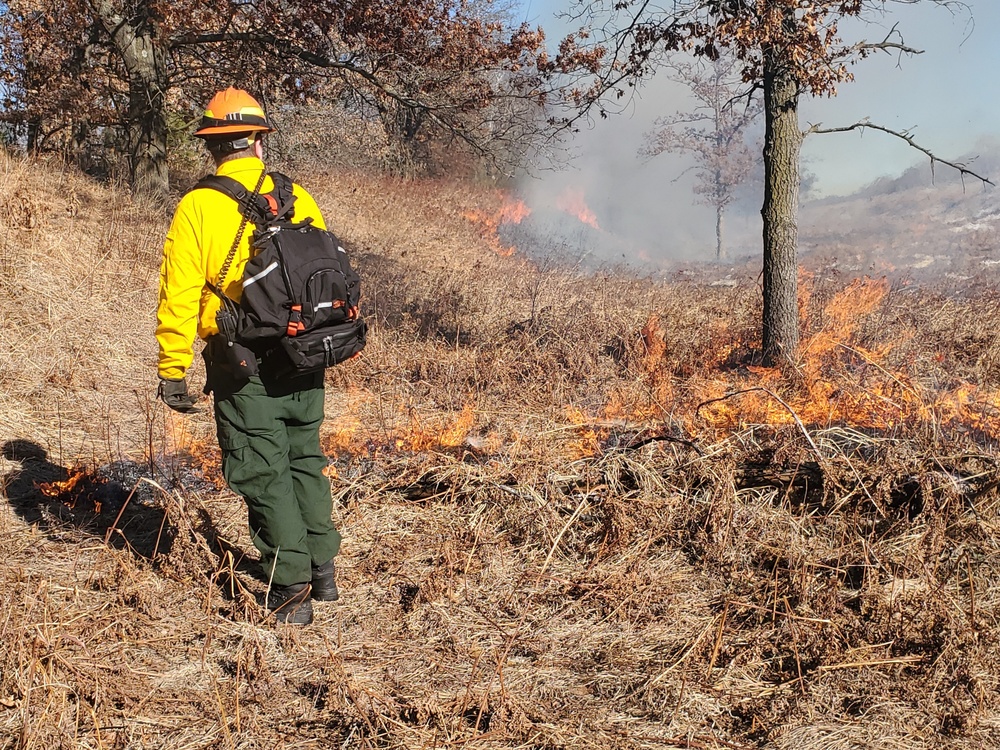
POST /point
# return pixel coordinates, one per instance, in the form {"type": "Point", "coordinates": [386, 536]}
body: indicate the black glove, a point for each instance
{"type": "Point", "coordinates": [174, 393]}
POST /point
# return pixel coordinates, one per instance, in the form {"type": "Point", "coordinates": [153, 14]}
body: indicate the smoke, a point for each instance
{"type": "Point", "coordinates": [645, 207]}
{"type": "Point", "coordinates": [649, 206]}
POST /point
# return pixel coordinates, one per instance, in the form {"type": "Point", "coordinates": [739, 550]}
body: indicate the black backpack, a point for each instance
{"type": "Point", "coordinates": [299, 290]}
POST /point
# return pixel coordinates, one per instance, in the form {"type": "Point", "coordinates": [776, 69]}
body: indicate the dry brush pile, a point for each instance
{"type": "Point", "coordinates": [577, 513]}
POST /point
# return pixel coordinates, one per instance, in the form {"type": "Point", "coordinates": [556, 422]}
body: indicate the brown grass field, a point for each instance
{"type": "Point", "coordinates": [576, 513]}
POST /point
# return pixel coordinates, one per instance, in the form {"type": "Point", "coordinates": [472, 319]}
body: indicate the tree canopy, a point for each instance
{"type": "Point", "coordinates": [457, 69]}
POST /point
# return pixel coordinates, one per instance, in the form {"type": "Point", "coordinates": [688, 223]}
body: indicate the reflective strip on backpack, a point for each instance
{"type": "Point", "coordinates": [321, 305]}
{"type": "Point", "coordinates": [261, 275]}
{"type": "Point", "coordinates": [341, 249]}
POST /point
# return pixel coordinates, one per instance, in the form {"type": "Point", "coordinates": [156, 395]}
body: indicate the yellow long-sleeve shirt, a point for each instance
{"type": "Point", "coordinates": [198, 241]}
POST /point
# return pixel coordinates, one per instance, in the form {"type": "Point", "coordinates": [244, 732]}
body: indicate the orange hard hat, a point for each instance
{"type": "Point", "coordinates": [233, 111]}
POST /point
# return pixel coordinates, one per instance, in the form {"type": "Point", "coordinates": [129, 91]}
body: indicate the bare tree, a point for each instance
{"type": "Point", "coordinates": [786, 49]}
{"type": "Point", "coordinates": [714, 132]}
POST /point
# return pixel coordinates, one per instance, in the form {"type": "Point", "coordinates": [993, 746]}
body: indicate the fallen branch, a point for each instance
{"type": "Point", "coordinates": [664, 439]}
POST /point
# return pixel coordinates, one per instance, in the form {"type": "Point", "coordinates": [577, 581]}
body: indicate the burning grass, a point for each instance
{"type": "Point", "coordinates": [577, 514]}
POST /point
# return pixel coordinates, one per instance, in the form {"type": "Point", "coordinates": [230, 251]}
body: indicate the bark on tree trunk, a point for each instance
{"type": "Point", "coordinates": [34, 134]}
{"type": "Point", "coordinates": [148, 132]}
{"type": "Point", "coordinates": [720, 252]}
{"type": "Point", "coordinates": [782, 144]}
{"type": "Point", "coordinates": [148, 81]}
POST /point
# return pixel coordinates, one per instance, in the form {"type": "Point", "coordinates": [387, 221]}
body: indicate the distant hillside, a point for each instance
{"type": "Point", "coordinates": [935, 230]}
{"type": "Point", "coordinates": [911, 227]}
{"type": "Point", "coordinates": [984, 160]}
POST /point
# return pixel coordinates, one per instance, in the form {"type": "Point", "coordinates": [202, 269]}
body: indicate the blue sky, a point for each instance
{"type": "Point", "coordinates": [947, 96]}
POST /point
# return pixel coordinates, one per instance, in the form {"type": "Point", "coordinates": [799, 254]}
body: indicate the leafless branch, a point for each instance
{"type": "Point", "coordinates": [887, 44]}
{"type": "Point", "coordinates": [904, 135]}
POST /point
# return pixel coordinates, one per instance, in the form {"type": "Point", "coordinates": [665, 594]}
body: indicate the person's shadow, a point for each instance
{"type": "Point", "coordinates": [114, 504]}
{"type": "Point", "coordinates": [99, 503]}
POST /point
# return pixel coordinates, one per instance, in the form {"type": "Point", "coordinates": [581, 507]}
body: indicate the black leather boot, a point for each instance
{"type": "Point", "coordinates": [291, 603]}
{"type": "Point", "coordinates": [324, 583]}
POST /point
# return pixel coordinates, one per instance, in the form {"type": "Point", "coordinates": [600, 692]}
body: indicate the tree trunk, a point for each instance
{"type": "Point", "coordinates": [782, 144]}
{"type": "Point", "coordinates": [34, 134]}
{"type": "Point", "coordinates": [719, 250]}
{"type": "Point", "coordinates": [148, 132]}
{"type": "Point", "coordinates": [401, 125]}
{"type": "Point", "coordinates": [145, 62]}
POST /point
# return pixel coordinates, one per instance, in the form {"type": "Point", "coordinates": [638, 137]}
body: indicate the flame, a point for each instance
{"type": "Point", "coordinates": [572, 202]}
{"type": "Point", "coordinates": [840, 381]}
{"type": "Point", "coordinates": [449, 434]}
{"type": "Point", "coordinates": [860, 297]}
{"type": "Point", "coordinates": [653, 342]}
{"type": "Point", "coordinates": [587, 441]}
{"type": "Point", "coordinates": [65, 487]}
{"type": "Point", "coordinates": [200, 447]}
{"type": "Point", "coordinates": [345, 434]}
{"type": "Point", "coordinates": [361, 427]}
{"type": "Point", "coordinates": [79, 485]}
{"type": "Point", "coordinates": [837, 387]}
{"type": "Point", "coordinates": [511, 211]}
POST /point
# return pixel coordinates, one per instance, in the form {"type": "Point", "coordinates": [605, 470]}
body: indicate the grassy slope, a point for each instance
{"type": "Point", "coordinates": [536, 554]}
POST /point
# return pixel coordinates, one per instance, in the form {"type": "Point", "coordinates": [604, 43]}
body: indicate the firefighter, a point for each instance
{"type": "Point", "coordinates": [268, 424]}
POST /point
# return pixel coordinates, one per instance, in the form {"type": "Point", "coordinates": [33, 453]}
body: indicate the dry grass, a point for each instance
{"type": "Point", "coordinates": [548, 544]}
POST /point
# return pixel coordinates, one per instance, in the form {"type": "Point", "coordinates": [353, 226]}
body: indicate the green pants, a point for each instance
{"type": "Point", "coordinates": [271, 455]}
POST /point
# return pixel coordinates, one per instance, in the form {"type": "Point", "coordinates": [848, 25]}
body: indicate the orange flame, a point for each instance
{"type": "Point", "coordinates": [512, 211]}
{"type": "Point", "coordinates": [65, 487]}
{"type": "Point", "coordinates": [343, 432]}
{"type": "Point", "coordinates": [653, 343]}
{"type": "Point", "coordinates": [587, 440]}
{"type": "Point", "coordinates": [446, 435]}
{"type": "Point", "coordinates": [201, 447]}
{"type": "Point", "coordinates": [571, 201]}
{"type": "Point", "coordinates": [80, 484]}
{"type": "Point", "coordinates": [347, 434]}
{"type": "Point", "coordinates": [839, 382]}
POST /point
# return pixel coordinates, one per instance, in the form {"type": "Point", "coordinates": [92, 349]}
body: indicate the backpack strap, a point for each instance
{"type": "Point", "coordinates": [284, 198]}
{"type": "Point", "coordinates": [269, 208]}
{"type": "Point", "coordinates": [252, 206]}
{"type": "Point", "coordinates": [277, 205]}
{"type": "Point", "coordinates": [246, 203]}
